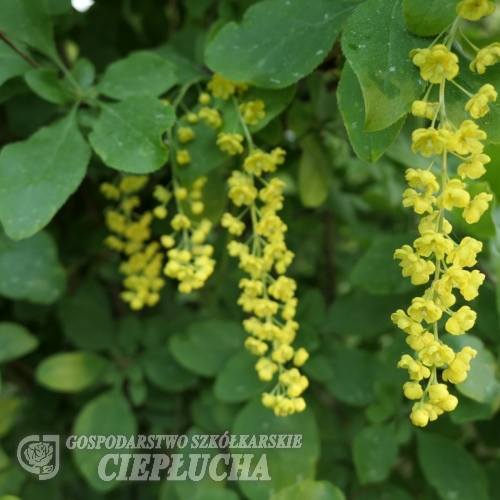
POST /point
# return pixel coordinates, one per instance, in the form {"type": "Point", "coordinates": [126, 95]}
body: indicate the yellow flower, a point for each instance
{"type": "Point", "coordinates": [422, 309]}
{"type": "Point", "coordinates": [470, 290]}
{"type": "Point", "coordinates": [477, 105]}
{"type": "Point", "coordinates": [453, 195]}
{"type": "Point", "coordinates": [230, 143]}
{"type": "Point", "coordinates": [406, 323]}
{"type": "Point", "coordinates": [221, 87]}
{"type": "Point", "coordinates": [180, 193]}
{"type": "Point", "coordinates": [422, 179]}
{"type": "Point", "coordinates": [416, 369]}
{"type": "Point", "coordinates": [211, 117]}
{"type": "Point", "coordinates": [438, 393]}
{"type": "Point", "coordinates": [436, 354]}
{"type": "Point", "coordinates": [473, 168]}
{"type": "Point", "coordinates": [461, 321]}
{"type": "Point", "coordinates": [473, 212]}
{"type": "Point", "coordinates": [116, 221]}
{"type": "Point", "coordinates": [424, 109]}
{"type": "Point", "coordinates": [241, 189]}
{"type": "Point", "coordinates": [114, 243]}
{"type": "Point", "coordinates": [432, 242]}
{"type": "Point", "coordinates": [266, 369]}
{"type": "Point", "coordinates": [417, 343]}
{"type": "Point", "coordinates": [185, 134]}
{"type": "Point", "coordinates": [179, 222]}
{"type": "Point", "coordinates": [467, 139]}
{"type": "Point", "coordinates": [167, 241]}
{"type": "Point", "coordinates": [233, 225]}
{"type": "Point", "coordinates": [429, 223]}
{"type": "Point", "coordinates": [160, 212]}
{"type": "Point", "coordinates": [258, 161]}
{"type": "Point", "coordinates": [197, 207]}
{"type": "Point", "coordinates": [436, 64]}
{"type": "Point", "coordinates": [192, 118]}
{"type": "Point", "coordinates": [301, 356]}
{"type": "Point", "coordinates": [413, 265]}
{"type": "Point", "coordinates": [413, 390]}
{"type": "Point", "coordinates": [110, 191]}
{"type": "Point", "coordinates": [162, 194]}
{"type": "Point", "coordinates": [131, 183]}
{"type": "Point", "coordinates": [429, 141]}
{"type": "Point", "coordinates": [183, 157]}
{"type": "Point", "coordinates": [464, 255]}
{"type": "Point", "coordinates": [253, 111]}
{"type": "Point", "coordinates": [283, 354]}
{"type": "Point", "coordinates": [458, 368]}
{"type": "Point", "coordinates": [421, 203]}
{"type": "Point", "coordinates": [473, 10]}
{"type": "Point", "coordinates": [282, 289]}
{"type": "Point", "coordinates": [488, 56]}
{"type": "Point", "coordinates": [204, 98]}
{"type": "Point", "coordinates": [256, 347]}
{"type": "Point", "coordinates": [419, 417]}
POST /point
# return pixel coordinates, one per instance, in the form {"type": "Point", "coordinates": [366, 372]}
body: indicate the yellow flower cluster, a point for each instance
{"type": "Point", "coordinates": [435, 257]}
{"type": "Point", "coordinates": [270, 300]}
{"type": "Point", "coordinates": [190, 261]}
{"type": "Point", "coordinates": [131, 235]}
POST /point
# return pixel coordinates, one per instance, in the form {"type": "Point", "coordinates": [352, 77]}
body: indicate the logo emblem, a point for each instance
{"type": "Point", "coordinates": [39, 455]}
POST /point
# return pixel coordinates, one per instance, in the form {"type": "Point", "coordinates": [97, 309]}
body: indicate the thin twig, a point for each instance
{"type": "Point", "coordinates": [26, 57]}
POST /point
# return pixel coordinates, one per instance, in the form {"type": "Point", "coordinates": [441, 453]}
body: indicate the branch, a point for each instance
{"type": "Point", "coordinates": [16, 49]}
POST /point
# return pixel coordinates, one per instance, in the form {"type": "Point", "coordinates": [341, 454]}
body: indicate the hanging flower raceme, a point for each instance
{"type": "Point", "coordinates": [435, 258]}
{"type": "Point", "coordinates": [131, 235]}
{"type": "Point", "coordinates": [267, 294]}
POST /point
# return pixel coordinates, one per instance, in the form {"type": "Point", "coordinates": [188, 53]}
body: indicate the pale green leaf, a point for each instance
{"type": "Point", "coordinates": [429, 17]}
{"type": "Point", "coordinates": [11, 63]}
{"type": "Point", "coordinates": [369, 146]}
{"type": "Point", "coordinates": [278, 41]}
{"type": "Point", "coordinates": [377, 45]}
{"type": "Point", "coordinates": [312, 490]}
{"type": "Point", "coordinates": [38, 175]}
{"type": "Point", "coordinates": [15, 341]}
{"type": "Point", "coordinates": [47, 84]}
{"type": "Point", "coordinates": [141, 73]}
{"type": "Point", "coordinates": [30, 269]}
{"type": "Point", "coordinates": [71, 372]}
{"type": "Point", "coordinates": [128, 135]}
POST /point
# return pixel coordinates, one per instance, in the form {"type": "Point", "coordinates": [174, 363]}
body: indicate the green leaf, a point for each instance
{"type": "Point", "coordinates": [15, 341]}
{"type": "Point", "coordinates": [9, 411]}
{"type": "Point", "coordinates": [207, 345]}
{"type": "Point", "coordinates": [377, 272]}
{"type": "Point", "coordinates": [450, 469]}
{"type": "Point", "coordinates": [429, 17]}
{"type": "Point", "coordinates": [164, 372]}
{"type": "Point", "coordinates": [190, 489]}
{"type": "Point", "coordinates": [29, 22]}
{"type": "Point", "coordinates": [71, 372]}
{"type": "Point", "coordinates": [141, 73]}
{"type": "Point", "coordinates": [312, 490]}
{"type": "Point", "coordinates": [107, 414]}
{"type": "Point", "coordinates": [87, 318]}
{"type": "Point", "coordinates": [369, 146]}
{"type": "Point", "coordinates": [127, 136]}
{"type": "Point", "coordinates": [275, 102]}
{"type": "Point", "coordinates": [30, 269]}
{"type": "Point", "coordinates": [375, 451]}
{"type": "Point", "coordinates": [204, 152]}
{"type": "Point", "coordinates": [210, 414]}
{"type": "Point", "coordinates": [315, 173]}
{"type": "Point", "coordinates": [37, 176]}
{"type": "Point", "coordinates": [238, 379]}
{"type": "Point", "coordinates": [481, 383]}
{"type": "Point", "coordinates": [352, 381]}
{"type": "Point", "coordinates": [84, 73]}
{"type": "Point", "coordinates": [11, 63]}
{"type": "Point", "coordinates": [378, 53]}
{"type": "Point", "coordinates": [469, 410]}
{"type": "Point", "coordinates": [361, 314]}
{"type": "Point", "coordinates": [384, 492]}
{"type": "Point", "coordinates": [272, 54]}
{"type": "Point", "coordinates": [284, 465]}
{"type": "Point", "coordinates": [46, 83]}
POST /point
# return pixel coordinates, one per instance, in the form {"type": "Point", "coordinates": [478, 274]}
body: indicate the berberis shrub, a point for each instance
{"type": "Point", "coordinates": [203, 205]}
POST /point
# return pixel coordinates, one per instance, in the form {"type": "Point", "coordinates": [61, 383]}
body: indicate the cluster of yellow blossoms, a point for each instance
{"type": "Point", "coordinates": [435, 257]}
{"type": "Point", "coordinates": [270, 300]}
{"type": "Point", "coordinates": [189, 262]}
{"type": "Point", "coordinates": [132, 235]}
